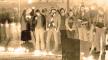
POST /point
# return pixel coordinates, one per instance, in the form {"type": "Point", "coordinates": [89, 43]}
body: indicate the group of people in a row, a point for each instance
{"type": "Point", "coordinates": [82, 24]}
{"type": "Point", "coordinates": [40, 25]}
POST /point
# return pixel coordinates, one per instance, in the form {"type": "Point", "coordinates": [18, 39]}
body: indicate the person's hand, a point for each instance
{"type": "Point", "coordinates": [57, 30]}
{"type": "Point", "coordinates": [70, 29]}
{"type": "Point", "coordinates": [79, 20]}
{"type": "Point", "coordinates": [47, 29]}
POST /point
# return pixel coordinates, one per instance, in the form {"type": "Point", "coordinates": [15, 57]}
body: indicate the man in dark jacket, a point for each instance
{"type": "Point", "coordinates": [39, 31]}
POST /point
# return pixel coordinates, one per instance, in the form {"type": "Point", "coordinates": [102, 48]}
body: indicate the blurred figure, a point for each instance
{"type": "Point", "coordinates": [25, 25]}
{"type": "Point", "coordinates": [18, 31]}
{"type": "Point", "coordinates": [13, 33]}
{"type": "Point", "coordinates": [93, 15]}
{"type": "Point", "coordinates": [44, 12]}
{"type": "Point", "coordinates": [71, 26]}
{"type": "Point", "coordinates": [53, 25]}
{"type": "Point", "coordinates": [14, 43]}
{"type": "Point", "coordinates": [5, 27]}
{"type": "Point", "coordinates": [26, 29]}
{"type": "Point", "coordinates": [100, 28]}
{"type": "Point", "coordinates": [100, 31]}
{"type": "Point", "coordinates": [83, 29]}
{"type": "Point", "coordinates": [106, 39]}
{"type": "Point", "coordinates": [4, 34]}
{"type": "Point", "coordinates": [62, 35]}
{"type": "Point", "coordinates": [102, 43]}
{"type": "Point", "coordinates": [106, 44]}
{"type": "Point", "coordinates": [92, 38]}
{"type": "Point", "coordinates": [62, 25]}
{"type": "Point", "coordinates": [40, 30]}
{"type": "Point", "coordinates": [83, 32]}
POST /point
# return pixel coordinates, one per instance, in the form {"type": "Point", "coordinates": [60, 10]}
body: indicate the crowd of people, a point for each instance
{"type": "Point", "coordinates": [39, 26]}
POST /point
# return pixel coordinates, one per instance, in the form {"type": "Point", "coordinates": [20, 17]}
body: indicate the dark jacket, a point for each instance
{"type": "Point", "coordinates": [43, 20]}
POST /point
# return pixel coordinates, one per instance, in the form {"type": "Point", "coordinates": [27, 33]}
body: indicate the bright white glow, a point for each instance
{"type": "Point", "coordinates": [2, 49]}
{"type": "Point", "coordinates": [106, 55]}
{"type": "Point", "coordinates": [50, 53]}
{"type": "Point", "coordinates": [7, 25]}
{"type": "Point", "coordinates": [1, 24]}
{"type": "Point", "coordinates": [37, 53]}
{"type": "Point", "coordinates": [17, 50]}
{"type": "Point", "coordinates": [88, 58]}
{"type": "Point", "coordinates": [10, 49]}
{"type": "Point", "coordinates": [84, 58]}
{"type": "Point", "coordinates": [33, 7]}
{"type": "Point", "coordinates": [44, 53]}
{"type": "Point", "coordinates": [82, 53]}
{"type": "Point", "coordinates": [13, 24]}
{"type": "Point", "coordinates": [20, 50]}
{"type": "Point", "coordinates": [29, 1]}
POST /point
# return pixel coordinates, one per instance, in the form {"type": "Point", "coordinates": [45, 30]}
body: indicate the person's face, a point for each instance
{"type": "Point", "coordinates": [28, 11]}
{"type": "Point", "coordinates": [28, 17]}
{"type": "Point", "coordinates": [70, 13]}
{"type": "Point", "coordinates": [53, 12]}
{"type": "Point", "coordinates": [62, 12]}
{"type": "Point", "coordinates": [82, 9]}
{"type": "Point", "coordinates": [38, 13]}
{"type": "Point", "coordinates": [44, 13]}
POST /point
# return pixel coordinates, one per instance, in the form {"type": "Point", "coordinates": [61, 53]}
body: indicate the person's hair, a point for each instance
{"type": "Point", "coordinates": [62, 9]}
{"type": "Point", "coordinates": [82, 7]}
{"type": "Point", "coordinates": [70, 11]}
{"type": "Point", "coordinates": [43, 11]}
{"type": "Point", "coordinates": [24, 12]}
{"type": "Point", "coordinates": [37, 10]}
{"type": "Point", "coordinates": [52, 10]}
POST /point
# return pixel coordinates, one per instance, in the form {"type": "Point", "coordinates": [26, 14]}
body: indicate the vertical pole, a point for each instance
{"type": "Point", "coordinates": [19, 8]}
{"type": "Point", "coordinates": [68, 5]}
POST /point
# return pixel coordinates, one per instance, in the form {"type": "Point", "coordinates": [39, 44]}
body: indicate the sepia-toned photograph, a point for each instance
{"type": "Point", "coordinates": [53, 29]}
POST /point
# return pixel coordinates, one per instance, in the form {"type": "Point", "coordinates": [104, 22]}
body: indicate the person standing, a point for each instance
{"type": "Point", "coordinates": [39, 31]}
{"type": "Point", "coordinates": [71, 26]}
{"type": "Point", "coordinates": [62, 25]}
{"type": "Point", "coordinates": [25, 25]}
{"type": "Point", "coordinates": [100, 31]}
{"type": "Point", "coordinates": [83, 18]}
{"type": "Point", "coordinates": [26, 29]}
{"type": "Point", "coordinates": [92, 38]}
{"type": "Point", "coordinates": [53, 25]}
